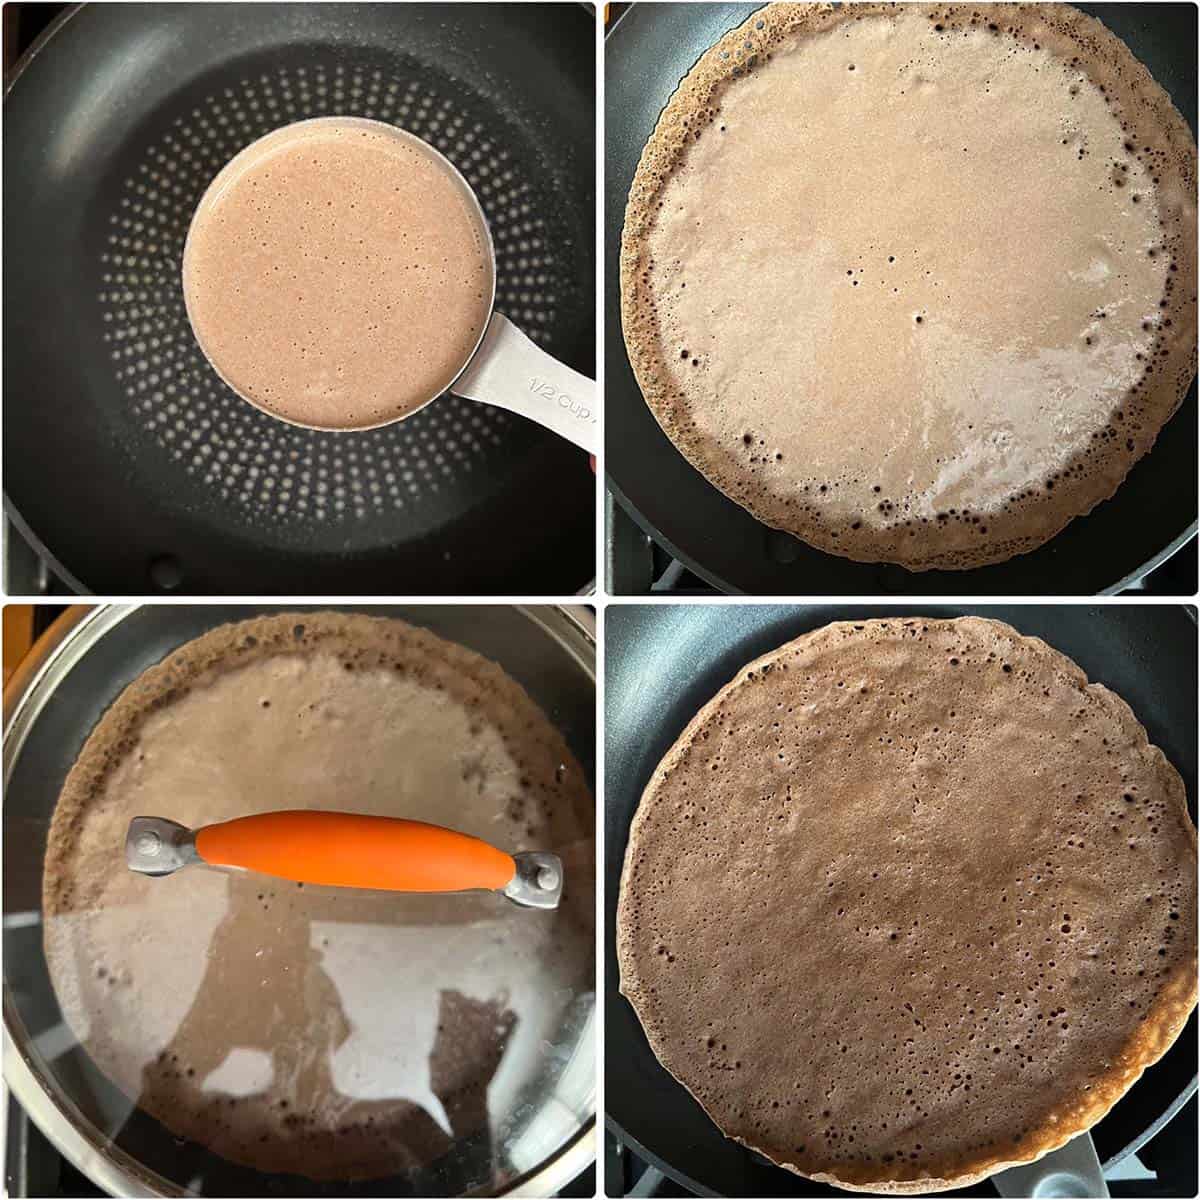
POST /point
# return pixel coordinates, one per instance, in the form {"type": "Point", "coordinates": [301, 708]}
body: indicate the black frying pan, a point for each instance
{"type": "Point", "coordinates": [127, 462]}
{"type": "Point", "coordinates": [648, 52]}
{"type": "Point", "coordinates": [1146, 654]}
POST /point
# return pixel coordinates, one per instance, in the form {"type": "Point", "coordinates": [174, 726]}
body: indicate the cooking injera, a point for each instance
{"type": "Point", "coordinates": [910, 901]}
{"type": "Point", "coordinates": [914, 283]}
{"type": "Point", "coordinates": [331, 1033]}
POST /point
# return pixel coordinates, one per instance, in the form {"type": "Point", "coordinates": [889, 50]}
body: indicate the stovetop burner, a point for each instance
{"type": "Point", "coordinates": [636, 565]}
{"type": "Point", "coordinates": [1164, 1166]}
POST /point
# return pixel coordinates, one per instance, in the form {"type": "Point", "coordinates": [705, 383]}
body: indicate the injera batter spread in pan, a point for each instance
{"type": "Point", "coordinates": [328, 1032]}
{"type": "Point", "coordinates": [909, 901]}
{"type": "Point", "coordinates": [914, 283]}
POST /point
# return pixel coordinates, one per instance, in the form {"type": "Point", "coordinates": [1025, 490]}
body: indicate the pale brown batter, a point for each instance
{"type": "Point", "coordinates": [909, 901]}
{"type": "Point", "coordinates": [325, 1032]}
{"type": "Point", "coordinates": [914, 283]}
{"type": "Point", "coordinates": [338, 273]}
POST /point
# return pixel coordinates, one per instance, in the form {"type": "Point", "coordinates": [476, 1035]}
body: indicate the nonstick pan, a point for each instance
{"type": "Point", "coordinates": [648, 51]}
{"type": "Point", "coordinates": [664, 662]}
{"type": "Point", "coordinates": [127, 462]}
{"type": "Point", "coordinates": [541, 1131]}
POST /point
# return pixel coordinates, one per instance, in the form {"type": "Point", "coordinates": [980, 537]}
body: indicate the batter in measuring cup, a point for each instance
{"type": "Point", "coordinates": [338, 273]}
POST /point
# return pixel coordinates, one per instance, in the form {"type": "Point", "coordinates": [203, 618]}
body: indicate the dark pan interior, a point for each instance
{"type": "Point", "coordinates": [664, 662]}
{"type": "Point", "coordinates": [128, 461]}
{"type": "Point", "coordinates": [648, 52]}
{"type": "Point", "coordinates": [501, 633]}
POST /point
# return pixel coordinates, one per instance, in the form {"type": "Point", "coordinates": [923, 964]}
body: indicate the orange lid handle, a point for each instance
{"type": "Point", "coordinates": [349, 850]}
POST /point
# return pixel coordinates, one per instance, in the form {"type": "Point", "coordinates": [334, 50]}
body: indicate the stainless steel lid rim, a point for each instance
{"type": "Point", "coordinates": [571, 631]}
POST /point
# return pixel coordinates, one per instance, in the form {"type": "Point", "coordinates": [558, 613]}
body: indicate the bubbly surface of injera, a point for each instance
{"type": "Point", "coordinates": [909, 901]}
{"type": "Point", "coordinates": [326, 1032]}
{"type": "Point", "coordinates": [914, 283]}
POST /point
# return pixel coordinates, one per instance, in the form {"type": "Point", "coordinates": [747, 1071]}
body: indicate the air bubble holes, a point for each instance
{"type": "Point", "coordinates": [237, 457]}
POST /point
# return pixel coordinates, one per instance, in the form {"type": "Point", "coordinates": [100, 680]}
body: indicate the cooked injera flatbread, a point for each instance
{"type": "Point", "coordinates": [328, 1032]}
{"type": "Point", "coordinates": [910, 901]}
{"type": "Point", "coordinates": [914, 283]}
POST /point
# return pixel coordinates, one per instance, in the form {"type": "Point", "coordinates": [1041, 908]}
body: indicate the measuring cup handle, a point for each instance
{"type": "Point", "coordinates": [509, 371]}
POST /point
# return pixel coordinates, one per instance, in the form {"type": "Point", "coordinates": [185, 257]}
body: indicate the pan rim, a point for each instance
{"type": "Point", "coordinates": [38, 44]}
